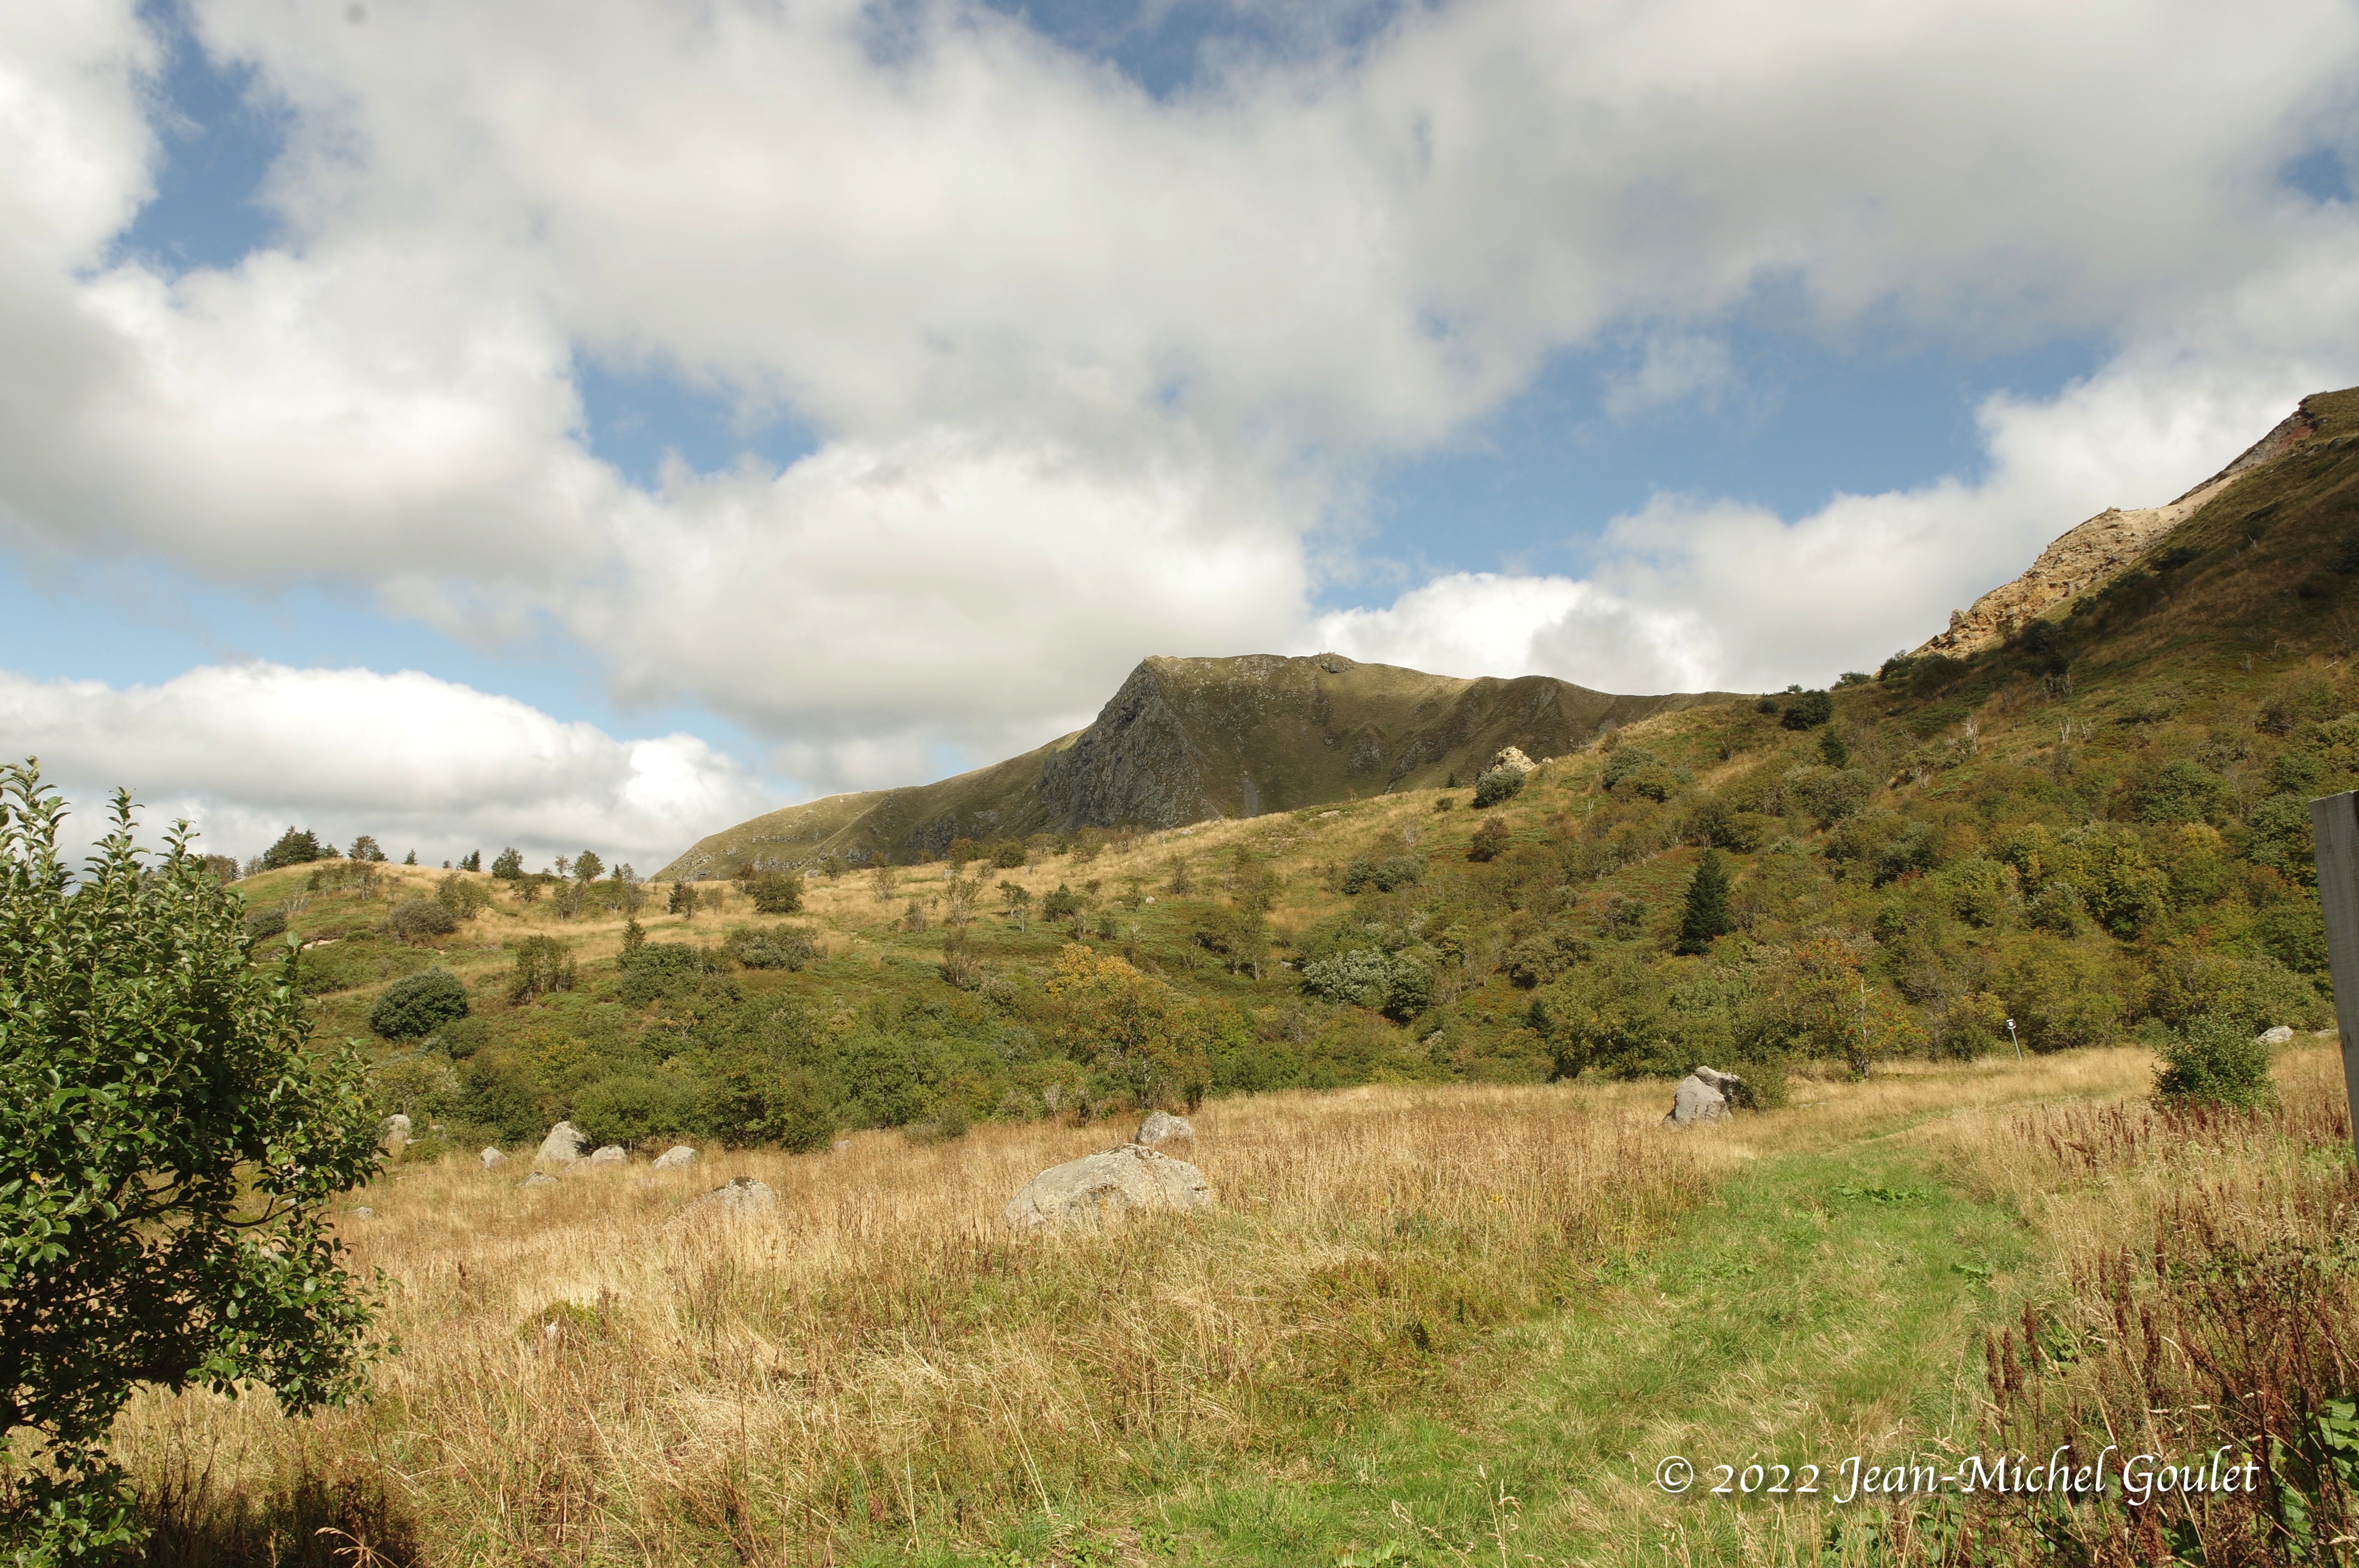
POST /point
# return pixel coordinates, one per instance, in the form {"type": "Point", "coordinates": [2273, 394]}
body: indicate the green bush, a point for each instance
{"type": "Point", "coordinates": [2214, 1061]}
{"type": "Point", "coordinates": [631, 1109]}
{"type": "Point", "coordinates": [776, 893]}
{"type": "Point", "coordinates": [508, 865]}
{"type": "Point", "coordinates": [1390, 983]}
{"type": "Point", "coordinates": [261, 925]}
{"type": "Point", "coordinates": [779, 947]}
{"type": "Point", "coordinates": [414, 1008]}
{"type": "Point", "coordinates": [1384, 876]}
{"type": "Point", "coordinates": [1807, 710]}
{"type": "Point", "coordinates": [1498, 784]}
{"type": "Point", "coordinates": [655, 970]}
{"type": "Point", "coordinates": [1008, 854]}
{"type": "Point", "coordinates": [295, 846]}
{"type": "Point", "coordinates": [421, 919]}
{"type": "Point", "coordinates": [543, 965]}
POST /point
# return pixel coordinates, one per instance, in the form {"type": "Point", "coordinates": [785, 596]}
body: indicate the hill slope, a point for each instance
{"type": "Point", "coordinates": [1187, 739]}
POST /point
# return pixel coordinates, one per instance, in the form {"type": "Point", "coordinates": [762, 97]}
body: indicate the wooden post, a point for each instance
{"type": "Point", "coordinates": [2335, 821]}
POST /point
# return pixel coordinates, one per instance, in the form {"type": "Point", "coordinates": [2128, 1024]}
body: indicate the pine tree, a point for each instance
{"type": "Point", "coordinates": [1707, 913]}
{"type": "Point", "coordinates": [1832, 750]}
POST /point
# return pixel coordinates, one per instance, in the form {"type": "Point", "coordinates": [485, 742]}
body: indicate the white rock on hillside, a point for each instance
{"type": "Point", "coordinates": [678, 1157]}
{"type": "Point", "coordinates": [1122, 1181]}
{"type": "Point", "coordinates": [2281, 1035]}
{"type": "Point", "coordinates": [1512, 758]}
{"type": "Point", "coordinates": [492, 1159]}
{"type": "Point", "coordinates": [737, 1199]}
{"type": "Point", "coordinates": [1695, 1100]}
{"type": "Point", "coordinates": [564, 1144]}
{"type": "Point", "coordinates": [612, 1154]}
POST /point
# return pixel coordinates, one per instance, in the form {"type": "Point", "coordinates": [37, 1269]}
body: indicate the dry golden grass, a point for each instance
{"type": "Point", "coordinates": [583, 1376]}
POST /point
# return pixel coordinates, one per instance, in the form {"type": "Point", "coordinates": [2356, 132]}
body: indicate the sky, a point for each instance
{"type": "Point", "coordinates": [589, 425]}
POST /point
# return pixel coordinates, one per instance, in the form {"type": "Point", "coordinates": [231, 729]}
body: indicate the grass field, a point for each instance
{"type": "Point", "coordinates": [1434, 1324]}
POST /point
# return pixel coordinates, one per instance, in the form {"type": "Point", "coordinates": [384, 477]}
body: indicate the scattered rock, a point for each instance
{"type": "Point", "coordinates": [1161, 1128]}
{"type": "Point", "coordinates": [395, 1131]}
{"type": "Point", "coordinates": [679, 1157]}
{"type": "Point", "coordinates": [2281, 1035]}
{"type": "Point", "coordinates": [841, 1146]}
{"type": "Point", "coordinates": [1130, 1180]}
{"type": "Point", "coordinates": [1512, 758]}
{"type": "Point", "coordinates": [612, 1154]}
{"type": "Point", "coordinates": [1696, 1100]}
{"type": "Point", "coordinates": [564, 1144]}
{"type": "Point", "coordinates": [364, 1213]}
{"type": "Point", "coordinates": [737, 1199]}
{"type": "Point", "coordinates": [538, 1179]}
{"type": "Point", "coordinates": [492, 1159]}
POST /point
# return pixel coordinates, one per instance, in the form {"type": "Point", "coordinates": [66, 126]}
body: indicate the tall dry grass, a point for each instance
{"type": "Point", "coordinates": [2203, 1270]}
{"type": "Point", "coordinates": [583, 1376]}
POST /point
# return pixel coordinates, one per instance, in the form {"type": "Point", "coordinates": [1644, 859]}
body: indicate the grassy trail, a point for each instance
{"type": "Point", "coordinates": [1824, 1305]}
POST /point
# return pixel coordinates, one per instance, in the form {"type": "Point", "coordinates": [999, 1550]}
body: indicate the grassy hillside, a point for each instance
{"type": "Point", "coordinates": [1189, 740]}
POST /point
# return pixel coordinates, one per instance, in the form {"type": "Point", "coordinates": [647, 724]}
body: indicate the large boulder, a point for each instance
{"type": "Point", "coordinates": [2281, 1035]}
{"type": "Point", "coordinates": [1130, 1180]}
{"type": "Point", "coordinates": [1695, 1100]}
{"type": "Point", "coordinates": [612, 1154]}
{"type": "Point", "coordinates": [564, 1144]}
{"type": "Point", "coordinates": [678, 1157]}
{"type": "Point", "coordinates": [1512, 758]}
{"type": "Point", "coordinates": [1159, 1127]}
{"type": "Point", "coordinates": [492, 1159]}
{"type": "Point", "coordinates": [735, 1199]}
{"type": "Point", "coordinates": [395, 1132]}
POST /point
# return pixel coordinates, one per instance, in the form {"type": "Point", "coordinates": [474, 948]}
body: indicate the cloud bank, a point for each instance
{"type": "Point", "coordinates": [1097, 373]}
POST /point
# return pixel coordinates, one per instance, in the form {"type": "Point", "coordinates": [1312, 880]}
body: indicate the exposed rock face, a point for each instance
{"type": "Point", "coordinates": [2094, 553]}
{"type": "Point", "coordinates": [1131, 1180]}
{"type": "Point", "coordinates": [1513, 759]}
{"type": "Point", "coordinates": [735, 1199]}
{"type": "Point", "coordinates": [395, 1132]}
{"type": "Point", "coordinates": [612, 1154]}
{"type": "Point", "coordinates": [678, 1157]}
{"type": "Point", "coordinates": [1160, 1128]}
{"type": "Point", "coordinates": [564, 1144]}
{"type": "Point", "coordinates": [1187, 739]}
{"type": "Point", "coordinates": [492, 1159]}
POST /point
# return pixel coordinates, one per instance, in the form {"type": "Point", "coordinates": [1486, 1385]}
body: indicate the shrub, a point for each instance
{"type": "Point", "coordinates": [1498, 784]}
{"type": "Point", "coordinates": [1391, 983]}
{"type": "Point", "coordinates": [420, 919]}
{"type": "Point", "coordinates": [2183, 791]}
{"type": "Point", "coordinates": [261, 925]}
{"type": "Point", "coordinates": [543, 965]}
{"type": "Point", "coordinates": [1807, 710]}
{"type": "Point", "coordinates": [657, 969]}
{"type": "Point", "coordinates": [776, 893]}
{"type": "Point", "coordinates": [167, 1150]}
{"type": "Point", "coordinates": [2214, 1061]}
{"type": "Point", "coordinates": [779, 947]}
{"type": "Point", "coordinates": [2057, 908]}
{"type": "Point", "coordinates": [464, 899]}
{"type": "Point", "coordinates": [1008, 854]}
{"type": "Point", "coordinates": [1386, 876]}
{"type": "Point", "coordinates": [1489, 839]}
{"type": "Point", "coordinates": [414, 1008]}
{"type": "Point", "coordinates": [632, 1108]}
{"type": "Point", "coordinates": [508, 865]}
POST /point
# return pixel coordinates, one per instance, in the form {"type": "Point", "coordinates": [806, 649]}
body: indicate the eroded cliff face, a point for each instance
{"type": "Point", "coordinates": [1134, 765]}
{"type": "Point", "coordinates": [2098, 550]}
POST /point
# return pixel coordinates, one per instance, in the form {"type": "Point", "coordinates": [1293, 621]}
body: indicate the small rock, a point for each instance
{"type": "Point", "coordinates": [737, 1198]}
{"type": "Point", "coordinates": [538, 1179]}
{"type": "Point", "coordinates": [492, 1159]}
{"type": "Point", "coordinates": [841, 1146]}
{"type": "Point", "coordinates": [1161, 1128]}
{"type": "Point", "coordinates": [564, 1144]}
{"type": "Point", "coordinates": [612, 1154]}
{"type": "Point", "coordinates": [1118, 1182]}
{"type": "Point", "coordinates": [679, 1157]}
{"type": "Point", "coordinates": [2281, 1035]}
{"type": "Point", "coordinates": [364, 1213]}
{"type": "Point", "coordinates": [395, 1132]}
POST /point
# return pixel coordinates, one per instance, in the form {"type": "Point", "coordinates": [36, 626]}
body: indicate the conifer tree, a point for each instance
{"type": "Point", "coordinates": [1707, 912]}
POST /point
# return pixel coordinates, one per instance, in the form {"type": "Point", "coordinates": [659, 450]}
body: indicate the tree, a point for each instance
{"type": "Point", "coordinates": [1489, 839]}
{"type": "Point", "coordinates": [168, 1149]}
{"type": "Point", "coordinates": [410, 859]}
{"type": "Point", "coordinates": [1707, 913]}
{"type": "Point", "coordinates": [776, 893]}
{"type": "Point", "coordinates": [1809, 710]}
{"type": "Point", "coordinates": [366, 850]}
{"type": "Point", "coordinates": [295, 846]}
{"type": "Point", "coordinates": [417, 1005]}
{"type": "Point", "coordinates": [682, 900]}
{"type": "Point", "coordinates": [508, 865]}
{"type": "Point", "coordinates": [473, 861]}
{"type": "Point", "coordinates": [589, 868]}
{"type": "Point", "coordinates": [1141, 1035]}
{"type": "Point", "coordinates": [1832, 750]}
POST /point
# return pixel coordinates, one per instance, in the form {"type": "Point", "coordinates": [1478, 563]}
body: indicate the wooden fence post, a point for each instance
{"type": "Point", "coordinates": [2335, 821]}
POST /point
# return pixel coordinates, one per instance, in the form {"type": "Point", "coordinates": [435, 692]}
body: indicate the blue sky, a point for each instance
{"type": "Point", "coordinates": [844, 402]}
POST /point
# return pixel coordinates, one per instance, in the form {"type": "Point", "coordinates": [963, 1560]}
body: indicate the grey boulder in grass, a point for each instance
{"type": "Point", "coordinates": [1116, 1184]}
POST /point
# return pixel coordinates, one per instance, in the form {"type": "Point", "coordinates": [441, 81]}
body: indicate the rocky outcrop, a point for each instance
{"type": "Point", "coordinates": [1118, 1184]}
{"type": "Point", "coordinates": [678, 1157]}
{"type": "Point", "coordinates": [1512, 760]}
{"type": "Point", "coordinates": [1705, 1096]}
{"type": "Point", "coordinates": [2097, 551]}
